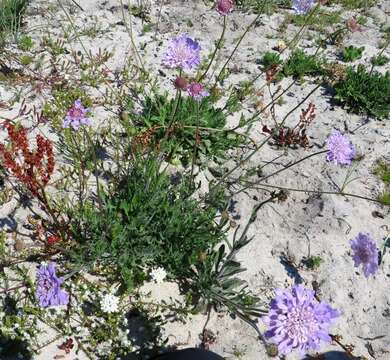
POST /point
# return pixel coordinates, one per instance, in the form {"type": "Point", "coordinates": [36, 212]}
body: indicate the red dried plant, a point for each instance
{"type": "Point", "coordinates": [286, 136]}
{"type": "Point", "coordinates": [32, 168]}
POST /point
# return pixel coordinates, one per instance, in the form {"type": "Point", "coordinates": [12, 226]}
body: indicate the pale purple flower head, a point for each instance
{"type": "Point", "coordinates": [48, 291]}
{"type": "Point", "coordinates": [340, 149]}
{"type": "Point", "coordinates": [296, 320]}
{"type": "Point", "coordinates": [225, 7]}
{"type": "Point", "coordinates": [197, 91]}
{"type": "Point", "coordinates": [182, 53]}
{"type": "Point", "coordinates": [365, 253]}
{"type": "Point", "coordinates": [76, 116]}
{"type": "Point", "coordinates": [302, 7]}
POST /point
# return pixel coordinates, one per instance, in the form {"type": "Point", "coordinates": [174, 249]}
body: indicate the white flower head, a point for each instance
{"type": "Point", "coordinates": [158, 275]}
{"type": "Point", "coordinates": [109, 303]}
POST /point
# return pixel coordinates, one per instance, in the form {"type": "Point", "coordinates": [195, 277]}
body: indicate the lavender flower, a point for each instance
{"type": "Point", "coordinates": [182, 53]}
{"type": "Point", "coordinates": [365, 253]}
{"type": "Point", "coordinates": [297, 320]}
{"type": "Point", "coordinates": [225, 7]}
{"type": "Point", "coordinates": [197, 91]}
{"type": "Point", "coordinates": [76, 116]}
{"type": "Point", "coordinates": [302, 7]}
{"type": "Point", "coordinates": [340, 149]}
{"type": "Point", "coordinates": [48, 291]}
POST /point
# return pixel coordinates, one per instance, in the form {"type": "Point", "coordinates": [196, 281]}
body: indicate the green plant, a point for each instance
{"type": "Point", "coordinates": [148, 220]}
{"type": "Point", "coordinates": [384, 197]}
{"type": "Point", "coordinates": [195, 124]}
{"type": "Point", "coordinates": [356, 4]}
{"type": "Point", "coordinates": [270, 59]}
{"type": "Point", "coordinates": [379, 60]}
{"type": "Point", "coordinates": [365, 92]}
{"type": "Point", "coordinates": [352, 53]}
{"type": "Point", "coordinates": [382, 170]}
{"type": "Point", "coordinates": [63, 98]}
{"type": "Point", "coordinates": [11, 12]}
{"type": "Point", "coordinates": [313, 262]}
{"type": "Point", "coordinates": [299, 64]}
{"type": "Point", "coordinates": [25, 43]}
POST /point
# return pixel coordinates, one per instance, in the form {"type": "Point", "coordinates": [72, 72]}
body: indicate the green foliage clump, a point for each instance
{"type": "Point", "coordinates": [382, 170]}
{"type": "Point", "coordinates": [313, 262]}
{"type": "Point", "coordinates": [270, 59]}
{"type": "Point", "coordinates": [379, 60]}
{"type": "Point", "coordinates": [63, 99]}
{"type": "Point", "coordinates": [352, 53]}
{"type": "Point", "coordinates": [356, 4]}
{"type": "Point", "coordinates": [213, 139]}
{"type": "Point", "coordinates": [25, 43]}
{"type": "Point", "coordinates": [319, 21]}
{"type": "Point", "coordinates": [365, 92]}
{"type": "Point", "coordinates": [11, 12]}
{"type": "Point", "coordinates": [148, 221]}
{"type": "Point", "coordinates": [300, 64]}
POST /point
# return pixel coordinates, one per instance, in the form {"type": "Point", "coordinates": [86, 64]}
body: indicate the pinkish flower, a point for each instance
{"type": "Point", "coordinates": [297, 320]}
{"type": "Point", "coordinates": [76, 116]}
{"type": "Point", "coordinates": [182, 53]}
{"type": "Point", "coordinates": [365, 253]}
{"type": "Point", "coordinates": [302, 7]}
{"type": "Point", "coordinates": [48, 291]}
{"type": "Point", "coordinates": [225, 7]}
{"type": "Point", "coordinates": [197, 91]}
{"type": "Point", "coordinates": [340, 149]}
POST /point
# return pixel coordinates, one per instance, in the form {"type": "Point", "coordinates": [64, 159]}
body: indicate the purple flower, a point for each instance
{"type": "Point", "coordinates": [182, 53]}
{"type": "Point", "coordinates": [49, 292]}
{"type": "Point", "coordinates": [340, 149]}
{"type": "Point", "coordinates": [76, 116]}
{"type": "Point", "coordinates": [197, 91]}
{"type": "Point", "coordinates": [225, 7]}
{"type": "Point", "coordinates": [302, 7]}
{"type": "Point", "coordinates": [365, 253]}
{"type": "Point", "coordinates": [297, 320]}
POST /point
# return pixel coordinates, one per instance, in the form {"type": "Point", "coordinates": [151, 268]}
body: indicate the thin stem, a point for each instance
{"type": "Point", "coordinates": [217, 46]}
{"type": "Point", "coordinates": [239, 42]}
{"type": "Point", "coordinates": [130, 32]}
{"type": "Point", "coordinates": [312, 191]}
{"type": "Point", "coordinates": [263, 142]}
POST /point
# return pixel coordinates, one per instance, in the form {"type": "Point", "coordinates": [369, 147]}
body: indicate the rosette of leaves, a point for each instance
{"type": "Point", "coordinates": [196, 126]}
{"type": "Point", "coordinates": [148, 220]}
{"type": "Point", "coordinates": [300, 64]}
{"type": "Point", "coordinates": [352, 53]}
{"type": "Point", "coordinates": [215, 282]}
{"type": "Point", "coordinates": [364, 92]}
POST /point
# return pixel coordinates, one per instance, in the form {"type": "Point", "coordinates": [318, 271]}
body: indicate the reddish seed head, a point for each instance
{"type": "Point", "coordinates": [181, 83]}
{"type": "Point", "coordinates": [52, 240]}
{"type": "Point", "coordinates": [225, 7]}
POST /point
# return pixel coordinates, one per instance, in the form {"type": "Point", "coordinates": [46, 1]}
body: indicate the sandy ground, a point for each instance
{"type": "Point", "coordinates": [302, 225]}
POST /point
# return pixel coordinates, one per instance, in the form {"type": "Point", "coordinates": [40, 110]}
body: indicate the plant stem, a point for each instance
{"type": "Point", "coordinates": [217, 46]}
{"type": "Point", "coordinates": [238, 43]}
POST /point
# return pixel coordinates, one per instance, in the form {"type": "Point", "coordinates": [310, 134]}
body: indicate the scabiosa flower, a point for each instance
{"type": "Point", "coordinates": [225, 7]}
{"type": "Point", "coordinates": [340, 149]}
{"type": "Point", "coordinates": [365, 253]}
{"type": "Point", "coordinates": [302, 7]}
{"type": "Point", "coordinates": [76, 116]}
{"type": "Point", "coordinates": [48, 291]}
{"type": "Point", "coordinates": [297, 320]}
{"type": "Point", "coordinates": [109, 303]}
{"type": "Point", "coordinates": [158, 275]}
{"type": "Point", "coordinates": [182, 53]}
{"type": "Point", "coordinates": [197, 91]}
